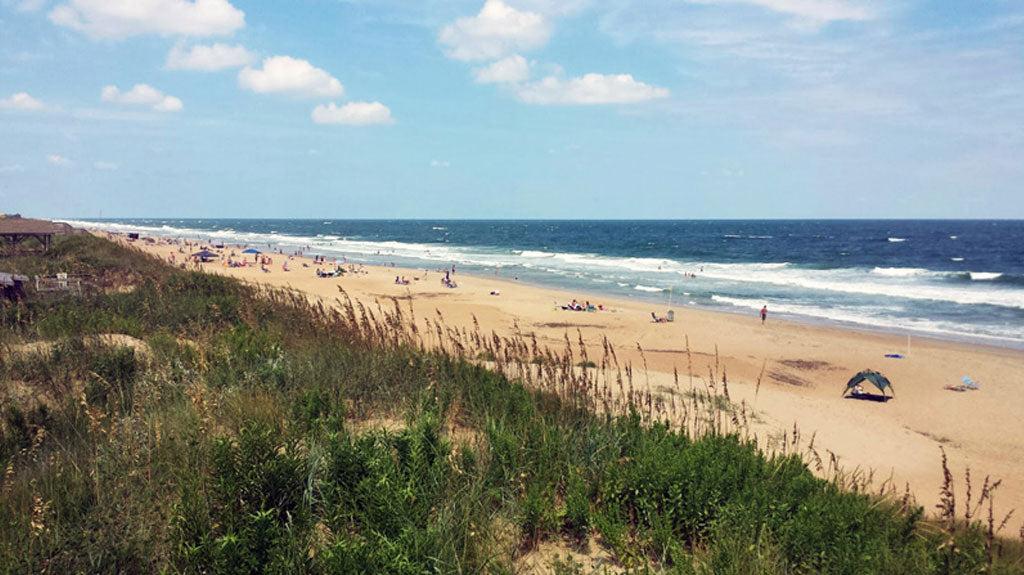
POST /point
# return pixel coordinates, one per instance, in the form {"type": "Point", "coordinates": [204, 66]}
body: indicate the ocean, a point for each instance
{"type": "Point", "coordinates": [960, 280]}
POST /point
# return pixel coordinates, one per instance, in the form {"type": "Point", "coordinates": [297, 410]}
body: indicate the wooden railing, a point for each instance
{"type": "Point", "coordinates": [61, 283]}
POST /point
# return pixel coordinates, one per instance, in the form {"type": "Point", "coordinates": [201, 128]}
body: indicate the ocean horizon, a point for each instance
{"type": "Point", "coordinates": [952, 279]}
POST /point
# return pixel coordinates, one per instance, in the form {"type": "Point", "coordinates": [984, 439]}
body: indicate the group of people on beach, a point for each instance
{"type": "Point", "coordinates": [575, 305]}
{"type": "Point", "coordinates": [337, 272]}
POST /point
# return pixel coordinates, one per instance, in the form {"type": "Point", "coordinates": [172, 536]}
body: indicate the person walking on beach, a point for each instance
{"type": "Point", "coordinates": [764, 314]}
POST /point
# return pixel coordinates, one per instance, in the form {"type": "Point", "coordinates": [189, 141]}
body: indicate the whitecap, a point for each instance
{"type": "Point", "coordinates": [899, 272]}
{"type": "Point", "coordinates": [897, 240]}
{"type": "Point", "coordinates": [647, 288]}
{"type": "Point", "coordinates": [535, 254]}
{"type": "Point", "coordinates": [984, 276]}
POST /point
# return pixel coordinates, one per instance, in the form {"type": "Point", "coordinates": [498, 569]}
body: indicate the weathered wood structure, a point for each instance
{"type": "Point", "coordinates": [58, 284]}
{"type": "Point", "coordinates": [15, 229]}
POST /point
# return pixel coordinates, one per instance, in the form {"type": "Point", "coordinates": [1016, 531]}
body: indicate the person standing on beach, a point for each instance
{"type": "Point", "coordinates": [764, 314]}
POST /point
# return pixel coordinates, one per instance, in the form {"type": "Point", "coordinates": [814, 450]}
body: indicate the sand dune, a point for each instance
{"type": "Point", "coordinates": [805, 368]}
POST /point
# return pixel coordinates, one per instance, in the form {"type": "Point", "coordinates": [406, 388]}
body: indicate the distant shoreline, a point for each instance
{"type": "Point", "coordinates": [656, 299]}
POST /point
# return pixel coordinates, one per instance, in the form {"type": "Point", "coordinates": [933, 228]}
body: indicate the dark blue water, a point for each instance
{"type": "Point", "coordinates": [958, 279]}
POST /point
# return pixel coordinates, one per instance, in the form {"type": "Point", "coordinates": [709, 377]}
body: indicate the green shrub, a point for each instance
{"type": "Point", "coordinates": [577, 507]}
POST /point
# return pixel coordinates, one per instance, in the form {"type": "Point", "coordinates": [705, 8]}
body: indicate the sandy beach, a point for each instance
{"type": "Point", "coordinates": [805, 369]}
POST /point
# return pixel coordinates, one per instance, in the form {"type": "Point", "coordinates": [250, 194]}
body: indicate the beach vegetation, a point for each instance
{"type": "Point", "coordinates": [231, 428]}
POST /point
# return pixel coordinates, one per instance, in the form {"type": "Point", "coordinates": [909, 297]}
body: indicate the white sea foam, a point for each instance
{"type": "Point", "coordinates": [985, 276]}
{"type": "Point", "coordinates": [535, 254]}
{"type": "Point", "coordinates": [901, 283]}
{"type": "Point", "coordinates": [956, 259]}
{"type": "Point", "coordinates": [953, 237]}
{"type": "Point", "coordinates": [870, 316]}
{"type": "Point", "coordinates": [897, 240]}
{"type": "Point", "coordinates": [853, 281]}
{"type": "Point", "coordinates": [739, 302]}
{"type": "Point", "coordinates": [647, 288]}
{"type": "Point", "coordinates": [900, 272]}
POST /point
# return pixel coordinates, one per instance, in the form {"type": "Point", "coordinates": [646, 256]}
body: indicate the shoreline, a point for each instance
{"type": "Point", "coordinates": [923, 325]}
{"type": "Point", "coordinates": [789, 373]}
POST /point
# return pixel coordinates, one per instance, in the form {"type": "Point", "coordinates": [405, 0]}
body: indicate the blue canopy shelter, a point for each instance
{"type": "Point", "coordinates": [205, 255]}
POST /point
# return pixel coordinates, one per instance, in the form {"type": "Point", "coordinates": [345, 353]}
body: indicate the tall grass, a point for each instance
{"type": "Point", "coordinates": [260, 431]}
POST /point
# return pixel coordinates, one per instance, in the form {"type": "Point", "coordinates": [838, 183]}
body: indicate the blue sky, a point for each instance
{"type": "Point", "coordinates": [512, 108]}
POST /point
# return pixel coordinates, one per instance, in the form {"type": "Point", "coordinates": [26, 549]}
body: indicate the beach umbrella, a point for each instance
{"type": "Point", "coordinates": [205, 254]}
{"type": "Point", "coordinates": [252, 251]}
{"type": "Point", "coordinates": [879, 381]}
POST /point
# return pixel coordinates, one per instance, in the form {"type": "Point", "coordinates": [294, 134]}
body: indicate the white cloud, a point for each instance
{"type": "Point", "coordinates": [58, 160]}
{"type": "Point", "coordinates": [168, 104]}
{"type": "Point", "coordinates": [142, 95]}
{"type": "Point", "coordinates": [209, 58]}
{"type": "Point", "coordinates": [590, 89]}
{"type": "Point", "coordinates": [440, 164]}
{"type": "Point", "coordinates": [511, 70]}
{"type": "Point", "coordinates": [11, 168]}
{"type": "Point", "coordinates": [21, 101]}
{"type": "Point", "coordinates": [292, 76]}
{"type": "Point", "coordinates": [125, 18]}
{"type": "Point", "coordinates": [353, 114]}
{"type": "Point", "coordinates": [497, 31]}
{"type": "Point", "coordinates": [110, 166]}
{"type": "Point", "coordinates": [815, 10]}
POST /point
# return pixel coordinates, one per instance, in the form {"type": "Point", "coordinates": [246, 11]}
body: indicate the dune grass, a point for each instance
{"type": "Point", "coordinates": [246, 438]}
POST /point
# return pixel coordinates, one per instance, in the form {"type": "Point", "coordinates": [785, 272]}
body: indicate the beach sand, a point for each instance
{"type": "Point", "coordinates": [805, 369]}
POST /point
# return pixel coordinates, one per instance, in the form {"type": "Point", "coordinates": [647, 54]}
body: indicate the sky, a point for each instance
{"type": "Point", "coordinates": [576, 109]}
